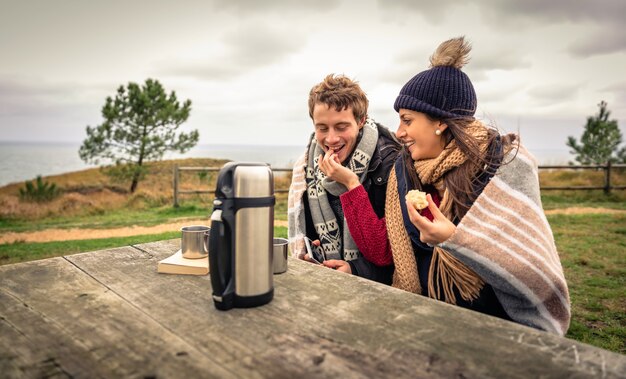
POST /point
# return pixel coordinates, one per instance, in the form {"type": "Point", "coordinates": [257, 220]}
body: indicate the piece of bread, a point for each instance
{"type": "Point", "coordinates": [417, 199]}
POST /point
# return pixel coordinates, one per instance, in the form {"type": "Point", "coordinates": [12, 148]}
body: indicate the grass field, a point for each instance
{"type": "Point", "coordinates": [592, 249]}
{"type": "Point", "coordinates": [21, 252]}
{"type": "Point", "coordinates": [592, 245]}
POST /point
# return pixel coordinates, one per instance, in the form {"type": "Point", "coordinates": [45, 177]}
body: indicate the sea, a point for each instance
{"type": "Point", "coordinates": [21, 161]}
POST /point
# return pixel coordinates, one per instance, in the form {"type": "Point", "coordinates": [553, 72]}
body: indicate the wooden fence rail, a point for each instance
{"type": "Point", "coordinates": [607, 187]}
{"type": "Point", "coordinates": [607, 168]}
{"type": "Point", "coordinates": [178, 192]}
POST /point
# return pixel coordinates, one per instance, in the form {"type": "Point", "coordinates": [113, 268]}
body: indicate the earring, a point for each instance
{"type": "Point", "coordinates": [438, 132]}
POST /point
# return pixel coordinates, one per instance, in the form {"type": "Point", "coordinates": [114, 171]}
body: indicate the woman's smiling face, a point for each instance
{"type": "Point", "coordinates": [419, 135]}
{"type": "Point", "coordinates": [336, 130]}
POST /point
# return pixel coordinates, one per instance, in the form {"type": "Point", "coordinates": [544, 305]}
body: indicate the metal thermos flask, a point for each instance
{"type": "Point", "coordinates": [241, 240]}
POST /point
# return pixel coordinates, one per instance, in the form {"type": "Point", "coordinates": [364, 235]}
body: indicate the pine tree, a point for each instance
{"type": "Point", "coordinates": [139, 125]}
{"type": "Point", "coordinates": [600, 141]}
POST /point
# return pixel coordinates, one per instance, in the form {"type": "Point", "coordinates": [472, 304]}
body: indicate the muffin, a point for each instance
{"type": "Point", "coordinates": [417, 199]}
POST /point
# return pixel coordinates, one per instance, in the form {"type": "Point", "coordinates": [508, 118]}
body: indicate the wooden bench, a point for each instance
{"type": "Point", "coordinates": [110, 314]}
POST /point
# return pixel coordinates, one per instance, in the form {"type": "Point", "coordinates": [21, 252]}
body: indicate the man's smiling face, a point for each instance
{"type": "Point", "coordinates": [336, 130]}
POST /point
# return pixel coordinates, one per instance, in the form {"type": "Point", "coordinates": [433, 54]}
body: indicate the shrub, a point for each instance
{"type": "Point", "coordinates": [39, 192]}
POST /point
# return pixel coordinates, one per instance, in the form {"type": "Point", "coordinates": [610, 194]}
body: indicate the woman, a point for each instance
{"type": "Point", "coordinates": [483, 243]}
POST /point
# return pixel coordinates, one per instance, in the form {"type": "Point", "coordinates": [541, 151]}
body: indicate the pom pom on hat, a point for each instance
{"type": "Point", "coordinates": [454, 52]}
{"type": "Point", "coordinates": [443, 91]}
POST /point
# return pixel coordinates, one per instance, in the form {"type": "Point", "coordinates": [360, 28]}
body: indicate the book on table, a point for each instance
{"type": "Point", "coordinates": [177, 264]}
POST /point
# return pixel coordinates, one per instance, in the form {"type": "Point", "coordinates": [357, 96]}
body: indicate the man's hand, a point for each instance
{"type": "Point", "coordinates": [333, 169]}
{"type": "Point", "coordinates": [431, 232]}
{"type": "Point", "coordinates": [339, 265]}
{"type": "Point", "coordinates": [307, 257]}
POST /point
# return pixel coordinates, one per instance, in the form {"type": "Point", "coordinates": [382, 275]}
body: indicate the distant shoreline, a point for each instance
{"type": "Point", "coordinates": [25, 160]}
{"type": "Point", "coordinates": [204, 145]}
{"type": "Point", "coordinates": [21, 161]}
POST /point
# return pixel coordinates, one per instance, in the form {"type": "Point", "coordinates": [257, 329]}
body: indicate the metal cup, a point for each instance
{"type": "Point", "coordinates": [194, 243]}
{"type": "Point", "coordinates": [281, 248]}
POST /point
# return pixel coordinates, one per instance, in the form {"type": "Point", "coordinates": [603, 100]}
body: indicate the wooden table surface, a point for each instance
{"type": "Point", "coordinates": [110, 314]}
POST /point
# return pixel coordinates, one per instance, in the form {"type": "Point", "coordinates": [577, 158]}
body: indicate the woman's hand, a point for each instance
{"type": "Point", "coordinates": [333, 169]}
{"type": "Point", "coordinates": [339, 265]}
{"type": "Point", "coordinates": [435, 231]}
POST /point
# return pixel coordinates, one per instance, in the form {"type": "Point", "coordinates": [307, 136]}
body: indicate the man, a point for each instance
{"type": "Point", "coordinates": [347, 162]}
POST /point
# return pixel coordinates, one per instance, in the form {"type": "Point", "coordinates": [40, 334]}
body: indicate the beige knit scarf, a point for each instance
{"type": "Point", "coordinates": [444, 268]}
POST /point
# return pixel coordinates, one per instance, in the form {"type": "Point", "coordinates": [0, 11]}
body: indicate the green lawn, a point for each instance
{"type": "Point", "coordinates": [587, 199]}
{"type": "Point", "coordinates": [593, 255]}
{"type": "Point", "coordinates": [111, 219]}
{"type": "Point", "coordinates": [124, 217]}
{"type": "Point", "coordinates": [20, 251]}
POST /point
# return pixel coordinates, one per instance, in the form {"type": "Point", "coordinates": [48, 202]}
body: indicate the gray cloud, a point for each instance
{"type": "Point", "coordinates": [25, 98]}
{"type": "Point", "coordinates": [601, 43]}
{"type": "Point", "coordinates": [500, 58]}
{"type": "Point", "coordinates": [399, 75]}
{"type": "Point", "coordinates": [204, 51]}
{"type": "Point", "coordinates": [495, 95]}
{"type": "Point", "coordinates": [504, 11]}
{"type": "Point", "coordinates": [554, 93]}
{"type": "Point", "coordinates": [414, 60]}
{"type": "Point", "coordinates": [490, 58]}
{"type": "Point", "coordinates": [607, 16]}
{"type": "Point", "coordinates": [255, 45]}
{"type": "Point", "coordinates": [48, 111]}
{"type": "Point", "coordinates": [37, 110]}
{"type": "Point", "coordinates": [269, 6]}
{"type": "Point", "coordinates": [618, 93]}
{"type": "Point", "coordinates": [619, 86]}
{"type": "Point", "coordinates": [31, 89]}
{"type": "Point", "coordinates": [406, 64]}
{"type": "Point", "coordinates": [500, 10]}
{"type": "Point", "coordinates": [210, 71]}
{"type": "Point", "coordinates": [600, 11]}
{"type": "Point", "coordinates": [247, 48]}
{"type": "Point", "coordinates": [433, 11]}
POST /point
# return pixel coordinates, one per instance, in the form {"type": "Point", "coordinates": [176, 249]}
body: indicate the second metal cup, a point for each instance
{"type": "Point", "coordinates": [280, 252]}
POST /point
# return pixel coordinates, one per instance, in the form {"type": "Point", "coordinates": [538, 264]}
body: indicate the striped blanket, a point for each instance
{"type": "Point", "coordinates": [295, 211]}
{"type": "Point", "coordinates": [506, 239]}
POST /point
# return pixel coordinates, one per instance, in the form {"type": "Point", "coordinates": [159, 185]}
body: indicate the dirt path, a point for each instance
{"type": "Point", "coordinates": [581, 210]}
{"type": "Point", "coordinates": [83, 234]}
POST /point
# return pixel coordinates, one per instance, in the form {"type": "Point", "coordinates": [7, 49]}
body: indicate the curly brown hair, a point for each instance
{"type": "Point", "coordinates": [340, 92]}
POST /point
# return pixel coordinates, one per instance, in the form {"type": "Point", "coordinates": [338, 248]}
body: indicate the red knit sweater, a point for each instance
{"type": "Point", "coordinates": [368, 231]}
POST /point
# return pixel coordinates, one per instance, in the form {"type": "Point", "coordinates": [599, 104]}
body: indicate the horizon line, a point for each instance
{"type": "Point", "coordinates": [8, 142]}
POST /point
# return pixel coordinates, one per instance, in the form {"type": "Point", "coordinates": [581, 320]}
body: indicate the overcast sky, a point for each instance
{"type": "Point", "coordinates": [540, 67]}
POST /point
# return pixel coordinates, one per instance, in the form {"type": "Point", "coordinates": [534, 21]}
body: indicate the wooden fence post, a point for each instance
{"type": "Point", "coordinates": [175, 186]}
{"type": "Point", "coordinates": [607, 178]}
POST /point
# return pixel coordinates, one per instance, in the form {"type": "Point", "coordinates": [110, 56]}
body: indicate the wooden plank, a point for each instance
{"type": "Point", "coordinates": [326, 323]}
{"type": "Point", "coordinates": [57, 321]}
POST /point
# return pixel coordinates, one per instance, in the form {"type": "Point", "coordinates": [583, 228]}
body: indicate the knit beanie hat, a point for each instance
{"type": "Point", "coordinates": [443, 91]}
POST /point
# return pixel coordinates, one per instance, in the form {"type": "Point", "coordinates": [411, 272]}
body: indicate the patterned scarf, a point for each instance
{"type": "Point", "coordinates": [336, 246]}
{"type": "Point", "coordinates": [444, 269]}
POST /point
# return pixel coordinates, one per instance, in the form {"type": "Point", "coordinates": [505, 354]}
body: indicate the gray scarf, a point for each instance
{"type": "Point", "coordinates": [318, 185]}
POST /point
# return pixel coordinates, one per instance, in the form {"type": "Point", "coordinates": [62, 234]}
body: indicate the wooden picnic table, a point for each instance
{"type": "Point", "coordinates": [109, 314]}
